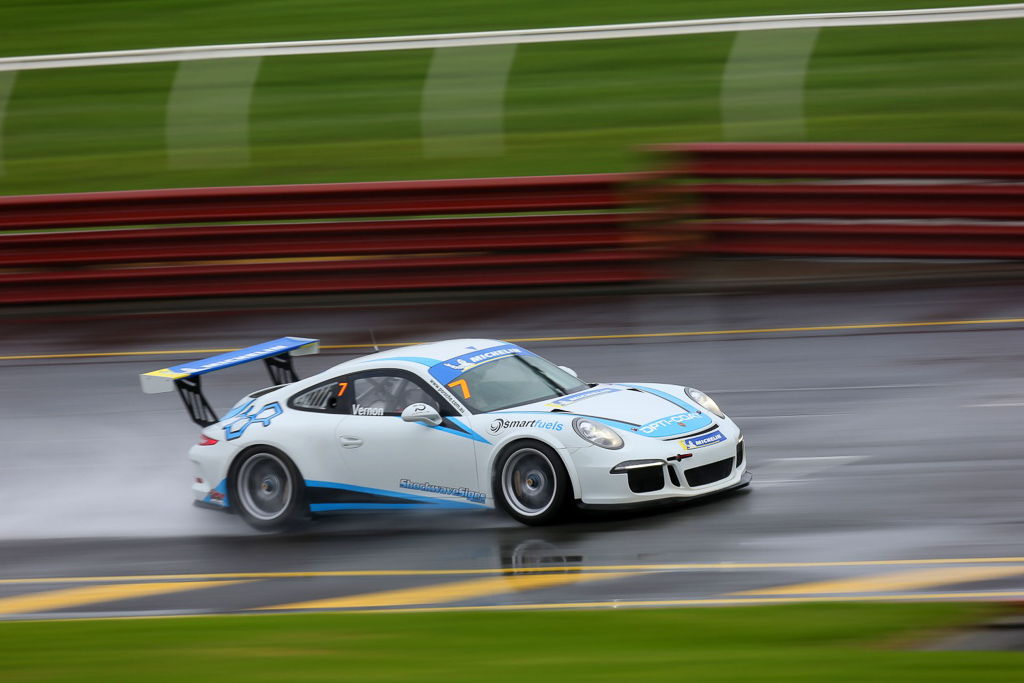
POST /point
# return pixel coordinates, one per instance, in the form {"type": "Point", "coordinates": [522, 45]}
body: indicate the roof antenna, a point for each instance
{"type": "Point", "coordinates": [374, 340]}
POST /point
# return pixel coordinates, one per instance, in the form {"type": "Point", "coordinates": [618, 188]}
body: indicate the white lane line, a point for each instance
{"type": "Point", "coordinates": [776, 417]}
{"type": "Point", "coordinates": [995, 405]}
{"type": "Point", "coordinates": [844, 388]}
{"type": "Point", "coordinates": [514, 37]}
{"type": "Point", "coordinates": [820, 457]}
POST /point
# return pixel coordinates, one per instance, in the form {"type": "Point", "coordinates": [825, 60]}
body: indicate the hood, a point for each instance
{"type": "Point", "coordinates": [647, 412]}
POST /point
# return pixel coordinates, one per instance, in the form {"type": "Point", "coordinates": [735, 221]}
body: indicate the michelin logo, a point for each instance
{"type": "Point", "coordinates": [703, 440]}
{"type": "Point", "coordinates": [453, 367]}
{"type": "Point", "coordinates": [234, 360]}
{"type": "Point", "coordinates": [461, 492]}
{"type": "Point", "coordinates": [500, 423]}
{"type": "Point", "coordinates": [462, 363]}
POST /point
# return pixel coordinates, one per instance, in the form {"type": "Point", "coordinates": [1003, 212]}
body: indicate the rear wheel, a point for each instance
{"type": "Point", "coordinates": [266, 489]}
{"type": "Point", "coordinates": [531, 483]}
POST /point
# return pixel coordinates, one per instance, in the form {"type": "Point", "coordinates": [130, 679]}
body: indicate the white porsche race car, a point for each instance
{"type": "Point", "coordinates": [467, 423]}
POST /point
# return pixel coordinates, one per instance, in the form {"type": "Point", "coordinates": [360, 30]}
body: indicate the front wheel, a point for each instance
{"type": "Point", "coordinates": [265, 487]}
{"type": "Point", "coordinates": [532, 484]}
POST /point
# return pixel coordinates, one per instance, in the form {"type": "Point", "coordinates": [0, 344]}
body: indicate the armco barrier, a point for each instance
{"type": "Point", "coordinates": [844, 199]}
{"type": "Point", "coordinates": [901, 200]}
{"type": "Point", "coordinates": [364, 237]}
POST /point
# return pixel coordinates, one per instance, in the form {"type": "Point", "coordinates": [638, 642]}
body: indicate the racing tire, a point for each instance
{"type": "Point", "coordinates": [266, 490]}
{"type": "Point", "coordinates": [531, 484]}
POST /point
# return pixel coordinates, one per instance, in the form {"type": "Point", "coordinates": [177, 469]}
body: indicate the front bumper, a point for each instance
{"type": "Point", "coordinates": [656, 470]}
{"type": "Point", "coordinates": [745, 480]}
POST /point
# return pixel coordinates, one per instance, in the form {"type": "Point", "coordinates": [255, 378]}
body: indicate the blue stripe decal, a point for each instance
{"type": "Point", "coordinates": [467, 433]}
{"type": "Point", "coordinates": [327, 507]}
{"type": "Point", "coordinates": [453, 367]}
{"type": "Point", "coordinates": [231, 358]}
{"type": "Point", "coordinates": [381, 492]}
{"type": "Point", "coordinates": [463, 431]}
{"type": "Point", "coordinates": [218, 495]}
{"type": "Point", "coordinates": [672, 426]}
{"type": "Point", "coordinates": [429, 362]}
{"type": "Point", "coordinates": [668, 397]}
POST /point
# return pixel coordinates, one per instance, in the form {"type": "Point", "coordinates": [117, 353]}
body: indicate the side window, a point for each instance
{"type": "Point", "coordinates": [387, 395]}
{"type": "Point", "coordinates": [327, 397]}
{"type": "Point", "coordinates": [369, 393]}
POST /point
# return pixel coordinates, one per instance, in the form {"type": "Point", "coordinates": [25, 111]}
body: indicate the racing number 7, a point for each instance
{"type": "Point", "coordinates": [461, 384]}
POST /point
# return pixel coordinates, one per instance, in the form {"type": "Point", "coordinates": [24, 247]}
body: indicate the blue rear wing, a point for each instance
{"type": "Point", "coordinates": [276, 354]}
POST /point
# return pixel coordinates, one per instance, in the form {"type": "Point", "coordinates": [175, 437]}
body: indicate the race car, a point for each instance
{"type": "Point", "coordinates": [466, 423]}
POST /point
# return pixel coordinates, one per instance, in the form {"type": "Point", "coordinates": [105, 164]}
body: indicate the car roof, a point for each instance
{"type": "Point", "coordinates": [415, 353]}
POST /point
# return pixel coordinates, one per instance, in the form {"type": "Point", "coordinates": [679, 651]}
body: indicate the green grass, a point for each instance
{"type": "Point", "coordinates": [840, 642]}
{"type": "Point", "coordinates": [569, 108]}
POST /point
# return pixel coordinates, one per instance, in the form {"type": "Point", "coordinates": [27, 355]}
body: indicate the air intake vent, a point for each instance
{"type": "Point", "coordinates": [646, 479]}
{"type": "Point", "coordinates": [708, 474]}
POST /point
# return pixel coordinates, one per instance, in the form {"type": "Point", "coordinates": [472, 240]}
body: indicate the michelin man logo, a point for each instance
{"type": "Point", "coordinates": [247, 416]}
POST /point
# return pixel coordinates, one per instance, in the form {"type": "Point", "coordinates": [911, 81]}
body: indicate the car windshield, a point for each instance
{"type": "Point", "coordinates": [513, 381]}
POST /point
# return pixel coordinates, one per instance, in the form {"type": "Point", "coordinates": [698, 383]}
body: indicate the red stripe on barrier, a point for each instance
{"type": "Point", "coordinates": [410, 235]}
{"type": "Point", "coordinates": [292, 202]}
{"type": "Point", "coordinates": [857, 201]}
{"type": "Point", "coordinates": [320, 239]}
{"type": "Point", "coordinates": [843, 199]}
{"type": "Point", "coordinates": [845, 160]}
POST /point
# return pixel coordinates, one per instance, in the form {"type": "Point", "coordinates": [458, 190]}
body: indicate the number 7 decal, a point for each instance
{"type": "Point", "coordinates": [461, 384]}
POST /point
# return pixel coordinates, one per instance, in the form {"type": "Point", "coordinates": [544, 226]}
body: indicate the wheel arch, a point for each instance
{"type": "Point", "coordinates": [294, 513]}
{"type": "Point", "coordinates": [235, 459]}
{"type": "Point", "coordinates": [559, 449]}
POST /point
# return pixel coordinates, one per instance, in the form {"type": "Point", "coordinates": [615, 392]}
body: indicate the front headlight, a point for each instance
{"type": "Point", "coordinates": [597, 433]}
{"type": "Point", "coordinates": [704, 401]}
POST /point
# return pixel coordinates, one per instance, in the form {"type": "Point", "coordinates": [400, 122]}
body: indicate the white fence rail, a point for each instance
{"type": "Point", "coordinates": [515, 37]}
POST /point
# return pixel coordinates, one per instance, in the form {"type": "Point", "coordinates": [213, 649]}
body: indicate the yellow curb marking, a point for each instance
{"type": "Point", "coordinates": [73, 597]}
{"type": "Point", "coordinates": [879, 583]}
{"type": "Point", "coordinates": [588, 337]}
{"type": "Point", "coordinates": [712, 566]}
{"type": "Point", "coordinates": [703, 602]}
{"type": "Point", "coordinates": [449, 592]}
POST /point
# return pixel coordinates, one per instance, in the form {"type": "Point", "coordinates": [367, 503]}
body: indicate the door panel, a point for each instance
{"type": "Point", "coordinates": [409, 459]}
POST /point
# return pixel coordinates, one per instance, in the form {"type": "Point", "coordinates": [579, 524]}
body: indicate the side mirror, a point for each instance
{"type": "Point", "coordinates": [569, 370]}
{"type": "Point", "coordinates": [421, 412]}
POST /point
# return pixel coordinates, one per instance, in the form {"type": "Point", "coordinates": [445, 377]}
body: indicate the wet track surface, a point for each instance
{"type": "Point", "coordinates": [887, 462]}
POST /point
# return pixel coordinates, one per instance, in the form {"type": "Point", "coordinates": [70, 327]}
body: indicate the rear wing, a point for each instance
{"type": "Point", "coordinates": [276, 354]}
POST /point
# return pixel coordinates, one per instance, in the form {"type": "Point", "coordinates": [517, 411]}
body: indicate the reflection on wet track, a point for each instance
{"type": "Point", "coordinates": [886, 461]}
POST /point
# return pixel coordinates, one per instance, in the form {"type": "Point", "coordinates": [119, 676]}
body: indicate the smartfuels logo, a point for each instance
{"type": "Point", "coordinates": [500, 423]}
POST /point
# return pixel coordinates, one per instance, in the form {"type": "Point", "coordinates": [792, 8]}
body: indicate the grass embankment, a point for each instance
{"type": "Point", "coordinates": [568, 108]}
{"type": "Point", "coordinates": [842, 642]}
